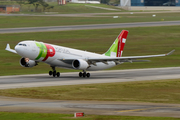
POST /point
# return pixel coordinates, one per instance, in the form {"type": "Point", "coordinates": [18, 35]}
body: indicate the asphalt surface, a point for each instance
{"type": "Point", "coordinates": [89, 107]}
{"type": "Point", "coordinates": [91, 26]}
{"type": "Point", "coordinates": [97, 14]}
{"type": "Point", "coordinates": [37, 80]}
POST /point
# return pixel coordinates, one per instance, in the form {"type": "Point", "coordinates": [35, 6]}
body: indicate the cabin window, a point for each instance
{"type": "Point", "coordinates": [22, 44]}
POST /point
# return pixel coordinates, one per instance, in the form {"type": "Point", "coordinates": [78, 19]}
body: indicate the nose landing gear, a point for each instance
{"type": "Point", "coordinates": [54, 73]}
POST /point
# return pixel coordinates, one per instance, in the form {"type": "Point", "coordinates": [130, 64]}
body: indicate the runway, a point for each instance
{"type": "Point", "coordinates": [96, 14]}
{"type": "Point", "coordinates": [91, 26]}
{"type": "Point", "coordinates": [37, 80]}
{"type": "Point", "coordinates": [89, 107]}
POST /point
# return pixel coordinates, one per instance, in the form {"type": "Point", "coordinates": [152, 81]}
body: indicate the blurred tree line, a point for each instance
{"type": "Point", "coordinates": [35, 3]}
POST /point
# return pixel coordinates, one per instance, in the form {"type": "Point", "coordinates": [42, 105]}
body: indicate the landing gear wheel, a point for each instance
{"type": "Point", "coordinates": [88, 75]}
{"type": "Point", "coordinates": [54, 74]}
{"type": "Point", "coordinates": [58, 74]}
{"type": "Point", "coordinates": [84, 74]}
{"type": "Point", "coordinates": [80, 74]}
{"type": "Point", "coordinates": [50, 73]}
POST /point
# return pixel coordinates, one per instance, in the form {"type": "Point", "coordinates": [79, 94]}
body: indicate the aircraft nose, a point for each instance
{"type": "Point", "coordinates": [17, 48]}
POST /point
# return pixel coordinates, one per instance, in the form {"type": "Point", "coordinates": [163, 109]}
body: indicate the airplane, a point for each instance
{"type": "Point", "coordinates": [33, 52]}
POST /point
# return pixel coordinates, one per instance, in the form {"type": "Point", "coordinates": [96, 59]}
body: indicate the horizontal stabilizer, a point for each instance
{"type": "Point", "coordinates": [9, 49]}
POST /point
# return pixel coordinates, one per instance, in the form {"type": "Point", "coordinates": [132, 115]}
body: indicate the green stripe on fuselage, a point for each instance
{"type": "Point", "coordinates": [42, 50]}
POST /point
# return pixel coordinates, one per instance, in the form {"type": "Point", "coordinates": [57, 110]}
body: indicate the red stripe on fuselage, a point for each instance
{"type": "Point", "coordinates": [50, 51]}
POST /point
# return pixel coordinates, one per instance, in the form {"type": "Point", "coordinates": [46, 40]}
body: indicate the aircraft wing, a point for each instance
{"type": "Point", "coordinates": [127, 59]}
{"type": "Point", "coordinates": [118, 60]}
{"type": "Point", "coordinates": [131, 57]}
{"type": "Point", "coordinates": [9, 49]}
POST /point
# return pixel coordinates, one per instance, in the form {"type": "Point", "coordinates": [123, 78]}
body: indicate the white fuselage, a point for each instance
{"type": "Point", "coordinates": [59, 56]}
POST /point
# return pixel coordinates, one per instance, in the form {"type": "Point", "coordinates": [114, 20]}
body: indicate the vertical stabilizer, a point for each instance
{"type": "Point", "coordinates": [117, 47]}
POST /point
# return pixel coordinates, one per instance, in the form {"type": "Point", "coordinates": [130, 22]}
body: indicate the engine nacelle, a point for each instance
{"type": "Point", "coordinates": [25, 62]}
{"type": "Point", "coordinates": [80, 64]}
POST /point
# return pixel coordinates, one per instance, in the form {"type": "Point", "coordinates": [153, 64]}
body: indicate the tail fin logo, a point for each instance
{"type": "Point", "coordinates": [117, 47]}
{"type": "Point", "coordinates": [121, 45]}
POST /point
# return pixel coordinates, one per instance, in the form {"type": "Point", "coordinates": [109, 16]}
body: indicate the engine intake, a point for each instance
{"type": "Point", "coordinates": [80, 64]}
{"type": "Point", "coordinates": [25, 62]}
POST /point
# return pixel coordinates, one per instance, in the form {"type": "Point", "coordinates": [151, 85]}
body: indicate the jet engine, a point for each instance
{"type": "Point", "coordinates": [25, 62]}
{"type": "Point", "coordinates": [80, 64]}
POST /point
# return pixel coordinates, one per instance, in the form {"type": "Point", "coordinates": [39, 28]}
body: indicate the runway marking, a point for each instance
{"type": "Point", "coordinates": [136, 110]}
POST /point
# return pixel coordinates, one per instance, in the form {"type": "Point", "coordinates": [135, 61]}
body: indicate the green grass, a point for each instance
{"type": "Point", "coordinates": [37, 21]}
{"type": "Point", "coordinates": [161, 91]}
{"type": "Point", "coordinates": [146, 16]}
{"type": "Point", "coordinates": [34, 116]}
{"type": "Point", "coordinates": [140, 41]}
{"type": "Point", "coordinates": [49, 116]}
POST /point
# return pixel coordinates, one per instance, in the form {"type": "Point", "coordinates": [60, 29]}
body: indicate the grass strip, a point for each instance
{"type": "Point", "coordinates": [161, 91]}
{"type": "Point", "coordinates": [39, 21]}
{"type": "Point", "coordinates": [50, 116]}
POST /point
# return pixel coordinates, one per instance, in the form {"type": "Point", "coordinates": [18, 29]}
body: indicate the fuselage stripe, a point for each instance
{"type": "Point", "coordinates": [40, 45]}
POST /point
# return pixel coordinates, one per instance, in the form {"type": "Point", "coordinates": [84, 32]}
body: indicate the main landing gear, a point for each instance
{"type": "Point", "coordinates": [54, 73]}
{"type": "Point", "coordinates": [84, 74]}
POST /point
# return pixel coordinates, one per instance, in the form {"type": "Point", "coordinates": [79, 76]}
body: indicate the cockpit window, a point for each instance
{"type": "Point", "coordinates": [22, 44]}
